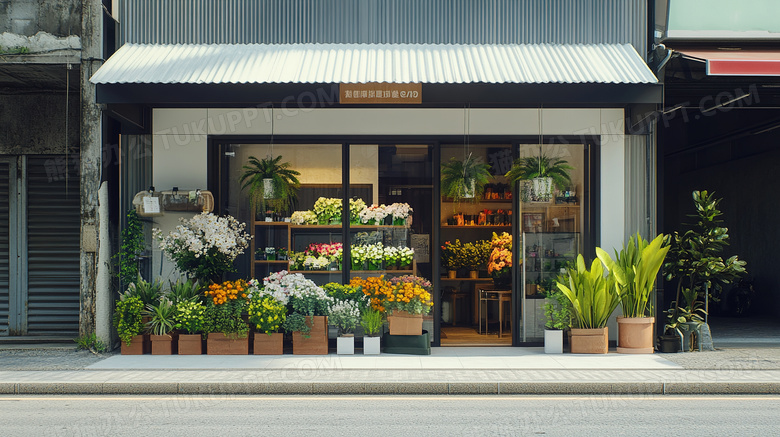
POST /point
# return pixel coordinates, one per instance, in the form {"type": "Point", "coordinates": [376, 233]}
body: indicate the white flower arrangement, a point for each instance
{"type": "Point", "coordinates": [303, 218]}
{"type": "Point", "coordinates": [405, 255]}
{"type": "Point", "coordinates": [345, 315]}
{"type": "Point", "coordinates": [205, 245]}
{"type": "Point", "coordinates": [355, 207]}
{"type": "Point", "coordinates": [374, 213]}
{"type": "Point", "coordinates": [316, 263]}
{"type": "Point", "coordinates": [399, 210]}
{"type": "Point", "coordinates": [283, 284]}
{"type": "Point", "coordinates": [375, 252]}
{"type": "Point", "coordinates": [359, 253]}
{"type": "Point", "coordinates": [391, 255]}
{"type": "Point", "coordinates": [327, 207]}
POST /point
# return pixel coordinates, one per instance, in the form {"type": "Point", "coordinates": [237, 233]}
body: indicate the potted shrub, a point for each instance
{"type": "Point", "coordinates": [449, 258]}
{"type": "Point", "coordinates": [635, 269]}
{"type": "Point", "coordinates": [272, 183]}
{"type": "Point", "coordinates": [308, 318]}
{"type": "Point", "coordinates": [371, 320]}
{"type": "Point", "coordinates": [683, 323]}
{"type": "Point", "coordinates": [226, 330]}
{"type": "Point", "coordinates": [267, 315]}
{"type": "Point", "coordinates": [205, 246]}
{"type": "Point", "coordinates": [464, 179]}
{"type": "Point", "coordinates": [593, 297]}
{"type": "Point", "coordinates": [160, 326]}
{"type": "Point", "coordinates": [127, 321]}
{"type": "Point", "coordinates": [345, 315]}
{"type": "Point", "coordinates": [190, 319]}
{"type": "Point", "coordinates": [544, 173]}
{"type": "Point", "coordinates": [407, 299]}
{"type": "Point", "coordinates": [557, 310]}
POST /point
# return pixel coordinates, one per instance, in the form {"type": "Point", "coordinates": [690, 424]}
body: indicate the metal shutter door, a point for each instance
{"type": "Point", "coordinates": [53, 231]}
{"type": "Point", "coordinates": [4, 246]}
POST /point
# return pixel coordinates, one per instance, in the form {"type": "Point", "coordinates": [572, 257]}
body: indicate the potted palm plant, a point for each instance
{"type": "Point", "coordinates": [635, 271]}
{"type": "Point", "coordinates": [544, 172]}
{"type": "Point", "coordinates": [464, 179]}
{"type": "Point", "coordinates": [272, 184]}
{"type": "Point", "coordinates": [593, 297]}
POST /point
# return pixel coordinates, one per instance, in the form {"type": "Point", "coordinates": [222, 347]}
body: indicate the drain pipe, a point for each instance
{"type": "Point", "coordinates": [103, 279]}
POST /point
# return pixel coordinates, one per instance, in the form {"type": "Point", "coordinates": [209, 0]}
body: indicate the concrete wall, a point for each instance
{"type": "Point", "coordinates": [35, 124]}
{"type": "Point", "coordinates": [28, 17]}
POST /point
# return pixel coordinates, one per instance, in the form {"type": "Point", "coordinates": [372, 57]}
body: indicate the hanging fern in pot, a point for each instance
{"type": "Point", "coordinates": [464, 179]}
{"type": "Point", "coordinates": [272, 184]}
{"type": "Point", "coordinates": [545, 172]}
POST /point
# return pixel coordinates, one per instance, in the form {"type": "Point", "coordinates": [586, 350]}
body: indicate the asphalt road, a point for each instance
{"type": "Point", "coordinates": [195, 416]}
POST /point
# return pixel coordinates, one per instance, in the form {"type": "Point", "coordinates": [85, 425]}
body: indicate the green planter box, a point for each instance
{"type": "Point", "coordinates": [407, 344]}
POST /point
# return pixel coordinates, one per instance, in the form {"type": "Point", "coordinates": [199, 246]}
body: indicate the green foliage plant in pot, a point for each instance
{"type": "Point", "coordinates": [635, 269]}
{"type": "Point", "coordinates": [190, 320]}
{"type": "Point", "coordinates": [464, 179]}
{"type": "Point", "coordinates": [271, 183]}
{"type": "Point", "coordinates": [266, 315]}
{"type": "Point", "coordinates": [345, 315]}
{"type": "Point", "coordinates": [161, 323]}
{"type": "Point", "coordinates": [594, 298]}
{"type": "Point", "coordinates": [184, 291]}
{"type": "Point", "coordinates": [147, 292]}
{"type": "Point", "coordinates": [127, 321]}
{"type": "Point", "coordinates": [695, 262]}
{"type": "Point", "coordinates": [544, 171]}
{"type": "Point", "coordinates": [558, 313]}
{"type": "Point", "coordinates": [372, 321]}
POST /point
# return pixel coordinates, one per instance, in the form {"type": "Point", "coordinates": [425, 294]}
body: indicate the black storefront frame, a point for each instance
{"type": "Point", "coordinates": [216, 167]}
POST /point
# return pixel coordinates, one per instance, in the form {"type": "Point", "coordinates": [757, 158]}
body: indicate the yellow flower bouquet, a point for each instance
{"type": "Point", "coordinates": [500, 263]}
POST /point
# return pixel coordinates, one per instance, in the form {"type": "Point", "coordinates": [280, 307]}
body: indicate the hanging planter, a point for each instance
{"type": "Point", "coordinates": [464, 179]}
{"type": "Point", "coordinates": [544, 174]}
{"type": "Point", "coordinates": [269, 192]}
{"type": "Point", "coordinates": [542, 189]}
{"type": "Point", "coordinates": [272, 184]}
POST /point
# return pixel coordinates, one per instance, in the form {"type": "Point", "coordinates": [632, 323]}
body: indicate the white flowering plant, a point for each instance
{"type": "Point", "coordinates": [316, 262]}
{"type": "Point", "coordinates": [205, 246]}
{"type": "Point", "coordinates": [375, 252]}
{"type": "Point", "coordinates": [327, 208]}
{"type": "Point", "coordinates": [373, 214]}
{"type": "Point", "coordinates": [355, 207]}
{"type": "Point", "coordinates": [359, 255]}
{"type": "Point", "coordinates": [391, 255]}
{"type": "Point", "coordinates": [399, 210]}
{"type": "Point", "coordinates": [345, 315]}
{"type": "Point", "coordinates": [405, 255]}
{"type": "Point", "coordinates": [303, 218]}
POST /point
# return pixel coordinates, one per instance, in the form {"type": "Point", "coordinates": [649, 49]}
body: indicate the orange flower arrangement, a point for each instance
{"type": "Point", "coordinates": [375, 287]}
{"type": "Point", "coordinates": [409, 297]}
{"type": "Point", "coordinates": [227, 291]}
{"type": "Point", "coordinates": [501, 257]}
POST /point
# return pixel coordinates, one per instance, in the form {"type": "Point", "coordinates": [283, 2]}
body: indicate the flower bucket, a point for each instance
{"type": "Point", "coordinates": [403, 323]}
{"type": "Point", "coordinates": [357, 265]}
{"type": "Point", "coordinates": [452, 274]}
{"type": "Point", "coordinates": [399, 222]}
{"type": "Point", "coordinates": [375, 265]}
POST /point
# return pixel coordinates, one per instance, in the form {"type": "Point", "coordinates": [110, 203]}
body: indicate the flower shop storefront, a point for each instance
{"type": "Point", "coordinates": [462, 205]}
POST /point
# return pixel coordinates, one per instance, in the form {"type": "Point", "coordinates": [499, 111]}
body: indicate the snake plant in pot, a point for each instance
{"type": "Point", "coordinates": [593, 297]}
{"type": "Point", "coordinates": [544, 172]}
{"type": "Point", "coordinates": [464, 179]}
{"type": "Point", "coordinates": [635, 271]}
{"type": "Point", "coordinates": [272, 184]}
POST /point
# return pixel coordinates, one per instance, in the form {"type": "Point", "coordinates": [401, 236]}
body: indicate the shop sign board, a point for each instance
{"type": "Point", "coordinates": [380, 93]}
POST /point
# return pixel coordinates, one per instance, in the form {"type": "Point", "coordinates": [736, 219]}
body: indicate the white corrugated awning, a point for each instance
{"type": "Point", "coordinates": [366, 63]}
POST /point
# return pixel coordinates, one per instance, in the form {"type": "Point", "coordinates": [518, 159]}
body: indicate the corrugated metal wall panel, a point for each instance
{"type": "Point", "coordinates": [53, 226]}
{"type": "Point", "coordinates": [4, 246]}
{"type": "Point", "coordinates": [385, 21]}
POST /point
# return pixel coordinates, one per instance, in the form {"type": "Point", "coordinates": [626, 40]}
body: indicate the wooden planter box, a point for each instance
{"type": "Point", "coordinates": [317, 341]}
{"type": "Point", "coordinates": [190, 344]}
{"type": "Point", "coordinates": [265, 344]}
{"type": "Point", "coordinates": [590, 341]}
{"type": "Point", "coordinates": [136, 346]}
{"type": "Point", "coordinates": [403, 323]}
{"type": "Point", "coordinates": [161, 344]}
{"type": "Point", "coordinates": [218, 343]}
{"type": "Point", "coordinates": [635, 335]}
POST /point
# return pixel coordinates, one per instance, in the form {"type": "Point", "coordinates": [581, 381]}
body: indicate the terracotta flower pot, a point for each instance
{"type": "Point", "coordinates": [635, 335]}
{"type": "Point", "coordinates": [190, 344]}
{"type": "Point", "coordinates": [403, 323]}
{"type": "Point", "coordinates": [266, 344]}
{"type": "Point", "coordinates": [136, 346]}
{"type": "Point", "coordinates": [590, 341]}
{"type": "Point", "coordinates": [218, 343]}
{"type": "Point", "coordinates": [317, 341]}
{"type": "Point", "coordinates": [161, 344]}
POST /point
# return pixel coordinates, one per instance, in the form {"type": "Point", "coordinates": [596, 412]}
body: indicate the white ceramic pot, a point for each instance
{"type": "Point", "coordinates": [553, 341]}
{"type": "Point", "coordinates": [345, 345]}
{"type": "Point", "coordinates": [371, 345]}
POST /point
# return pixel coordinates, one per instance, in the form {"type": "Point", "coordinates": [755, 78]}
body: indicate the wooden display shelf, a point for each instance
{"type": "Point", "coordinates": [446, 278]}
{"type": "Point", "coordinates": [447, 200]}
{"type": "Point", "coordinates": [317, 227]}
{"type": "Point", "coordinates": [475, 226]}
{"type": "Point", "coordinates": [265, 261]}
{"type": "Point", "coordinates": [272, 223]}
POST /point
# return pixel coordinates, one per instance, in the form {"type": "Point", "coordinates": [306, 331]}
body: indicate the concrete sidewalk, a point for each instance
{"type": "Point", "coordinates": [449, 370]}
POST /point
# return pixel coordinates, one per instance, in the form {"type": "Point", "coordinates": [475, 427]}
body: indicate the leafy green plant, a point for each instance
{"type": "Point", "coordinates": [131, 249]}
{"type": "Point", "coordinates": [127, 317]}
{"type": "Point", "coordinates": [297, 322]}
{"type": "Point", "coordinates": [593, 296]}
{"type": "Point", "coordinates": [346, 293]}
{"type": "Point", "coordinates": [635, 271]}
{"type": "Point", "coordinates": [284, 181]}
{"type": "Point", "coordinates": [189, 317]}
{"type": "Point", "coordinates": [464, 179]}
{"type": "Point", "coordinates": [161, 316]}
{"type": "Point", "coordinates": [541, 167]}
{"type": "Point", "coordinates": [372, 320]}
{"type": "Point", "coordinates": [225, 318]}
{"type": "Point", "coordinates": [345, 315]}
{"type": "Point", "coordinates": [148, 292]}
{"type": "Point", "coordinates": [186, 291]}
{"type": "Point", "coordinates": [557, 309]}
{"type": "Point", "coordinates": [266, 313]}
{"type": "Point", "coordinates": [694, 258]}
{"type": "Point", "coordinates": [91, 343]}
